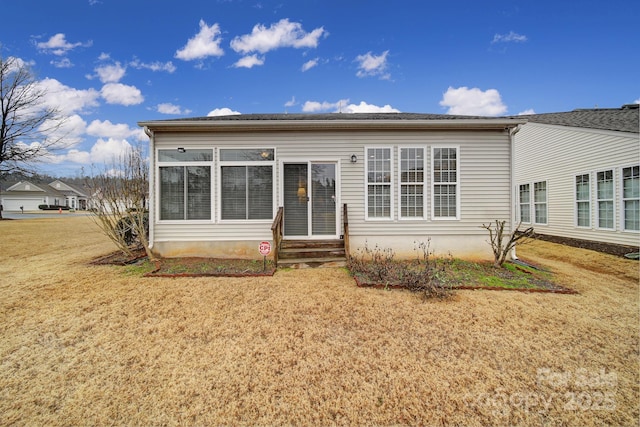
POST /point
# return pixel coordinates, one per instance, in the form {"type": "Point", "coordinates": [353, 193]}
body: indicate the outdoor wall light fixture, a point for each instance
{"type": "Point", "coordinates": [354, 158]}
{"type": "Point", "coordinates": [181, 150]}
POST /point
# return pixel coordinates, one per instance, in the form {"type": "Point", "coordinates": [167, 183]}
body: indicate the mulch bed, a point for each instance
{"type": "Point", "coordinates": [607, 248]}
{"type": "Point", "coordinates": [210, 267]}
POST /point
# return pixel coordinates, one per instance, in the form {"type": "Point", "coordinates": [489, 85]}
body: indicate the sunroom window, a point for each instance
{"type": "Point", "coordinates": [185, 184]}
{"type": "Point", "coordinates": [246, 184]}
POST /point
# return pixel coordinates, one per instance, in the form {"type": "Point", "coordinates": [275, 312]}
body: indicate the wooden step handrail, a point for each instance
{"type": "Point", "coordinates": [277, 232]}
{"type": "Point", "coordinates": [345, 222]}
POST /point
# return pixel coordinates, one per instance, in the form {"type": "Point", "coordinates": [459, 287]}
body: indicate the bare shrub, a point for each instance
{"type": "Point", "coordinates": [424, 275]}
{"type": "Point", "coordinates": [496, 240]}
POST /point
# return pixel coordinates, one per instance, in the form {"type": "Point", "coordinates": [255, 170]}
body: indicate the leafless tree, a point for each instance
{"type": "Point", "coordinates": [30, 130]}
{"type": "Point", "coordinates": [119, 195]}
{"type": "Point", "coordinates": [496, 240]}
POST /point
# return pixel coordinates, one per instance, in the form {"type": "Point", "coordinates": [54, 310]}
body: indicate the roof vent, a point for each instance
{"type": "Point", "coordinates": [630, 106]}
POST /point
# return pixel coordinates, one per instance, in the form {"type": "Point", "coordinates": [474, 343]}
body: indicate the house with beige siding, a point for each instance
{"type": "Point", "coordinates": [578, 174]}
{"type": "Point", "coordinates": [219, 186]}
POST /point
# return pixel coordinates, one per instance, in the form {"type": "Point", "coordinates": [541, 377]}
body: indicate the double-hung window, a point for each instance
{"type": "Point", "coordinates": [246, 184]}
{"type": "Point", "coordinates": [445, 182]}
{"type": "Point", "coordinates": [378, 183]}
{"type": "Point", "coordinates": [605, 195]}
{"type": "Point", "coordinates": [411, 182]}
{"type": "Point", "coordinates": [540, 202]}
{"type": "Point", "coordinates": [524, 195]}
{"type": "Point", "coordinates": [631, 197]}
{"type": "Point", "coordinates": [583, 200]}
{"type": "Point", "coordinates": [185, 184]}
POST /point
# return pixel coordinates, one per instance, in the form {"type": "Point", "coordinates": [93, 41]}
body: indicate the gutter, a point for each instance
{"type": "Point", "coordinates": [152, 195]}
{"type": "Point", "coordinates": [349, 124]}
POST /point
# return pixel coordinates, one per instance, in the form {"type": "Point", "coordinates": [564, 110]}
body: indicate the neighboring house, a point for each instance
{"type": "Point", "coordinates": [29, 196]}
{"type": "Point", "coordinates": [578, 174]}
{"type": "Point", "coordinates": [217, 183]}
{"type": "Point", "coordinates": [75, 197]}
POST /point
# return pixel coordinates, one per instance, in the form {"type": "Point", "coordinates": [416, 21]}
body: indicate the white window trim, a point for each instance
{"type": "Point", "coordinates": [597, 200]}
{"type": "Point", "coordinates": [159, 164]}
{"type": "Point", "coordinates": [534, 203]}
{"type": "Point", "coordinates": [588, 200]}
{"type": "Point", "coordinates": [622, 200]}
{"type": "Point", "coordinates": [366, 185]}
{"type": "Point", "coordinates": [457, 183]}
{"type": "Point", "coordinates": [528, 203]}
{"type": "Point", "coordinates": [424, 184]}
{"type": "Point", "coordinates": [221, 163]}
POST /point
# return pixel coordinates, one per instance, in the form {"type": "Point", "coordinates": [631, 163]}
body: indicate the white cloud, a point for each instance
{"type": "Point", "coordinates": [118, 93]}
{"type": "Point", "coordinates": [309, 64]}
{"type": "Point", "coordinates": [222, 112]}
{"type": "Point", "coordinates": [104, 151]}
{"type": "Point", "coordinates": [291, 102]}
{"type": "Point", "coordinates": [526, 112]}
{"type": "Point", "coordinates": [58, 45]}
{"type": "Point", "coordinates": [154, 66]}
{"type": "Point", "coordinates": [249, 61]}
{"type": "Point", "coordinates": [507, 38]}
{"type": "Point", "coordinates": [106, 129]}
{"type": "Point", "coordinates": [77, 156]}
{"type": "Point", "coordinates": [205, 43]}
{"type": "Point", "coordinates": [343, 106]}
{"type": "Point", "coordinates": [168, 108]}
{"type": "Point", "coordinates": [637, 101]}
{"type": "Point", "coordinates": [372, 65]}
{"type": "Point", "coordinates": [315, 106]}
{"type": "Point", "coordinates": [281, 34]}
{"type": "Point", "coordinates": [363, 107]}
{"type": "Point", "coordinates": [65, 99]}
{"type": "Point", "coordinates": [111, 73]}
{"type": "Point", "coordinates": [62, 63]}
{"type": "Point", "coordinates": [465, 101]}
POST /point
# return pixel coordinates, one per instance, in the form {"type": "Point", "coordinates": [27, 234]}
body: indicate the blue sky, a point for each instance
{"type": "Point", "coordinates": [108, 64]}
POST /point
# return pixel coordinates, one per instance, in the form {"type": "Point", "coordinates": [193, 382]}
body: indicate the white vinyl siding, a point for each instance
{"type": "Point", "coordinates": [524, 204]}
{"type": "Point", "coordinates": [605, 196]}
{"type": "Point", "coordinates": [444, 190]}
{"type": "Point", "coordinates": [583, 200]}
{"type": "Point", "coordinates": [557, 154]}
{"type": "Point", "coordinates": [631, 198]}
{"type": "Point", "coordinates": [378, 176]}
{"type": "Point", "coordinates": [411, 178]}
{"type": "Point", "coordinates": [484, 185]}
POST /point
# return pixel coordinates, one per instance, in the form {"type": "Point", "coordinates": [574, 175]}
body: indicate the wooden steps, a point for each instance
{"type": "Point", "coordinates": [312, 253]}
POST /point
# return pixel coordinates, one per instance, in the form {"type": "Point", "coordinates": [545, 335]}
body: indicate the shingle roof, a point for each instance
{"type": "Point", "coordinates": [624, 119]}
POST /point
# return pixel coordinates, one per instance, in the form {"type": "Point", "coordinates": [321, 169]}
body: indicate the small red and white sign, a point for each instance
{"type": "Point", "coordinates": [265, 248]}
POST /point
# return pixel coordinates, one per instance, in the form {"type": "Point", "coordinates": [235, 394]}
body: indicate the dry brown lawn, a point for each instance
{"type": "Point", "coordinates": [99, 345]}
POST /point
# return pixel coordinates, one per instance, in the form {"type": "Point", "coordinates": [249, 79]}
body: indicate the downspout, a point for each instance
{"type": "Point", "coordinates": [152, 195]}
{"type": "Point", "coordinates": [514, 192]}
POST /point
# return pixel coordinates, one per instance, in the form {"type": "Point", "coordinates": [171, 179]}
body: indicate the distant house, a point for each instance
{"type": "Point", "coordinates": [578, 174]}
{"type": "Point", "coordinates": [75, 197]}
{"type": "Point", "coordinates": [30, 195]}
{"type": "Point", "coordinates": [221, 185]}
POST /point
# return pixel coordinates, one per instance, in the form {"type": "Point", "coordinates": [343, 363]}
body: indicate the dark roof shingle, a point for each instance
{"type": "Point", "coordinates": [624, 119]}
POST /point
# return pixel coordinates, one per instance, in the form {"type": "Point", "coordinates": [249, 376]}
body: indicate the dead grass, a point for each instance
{"type": "Point", "coordinates": [93, 345]}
